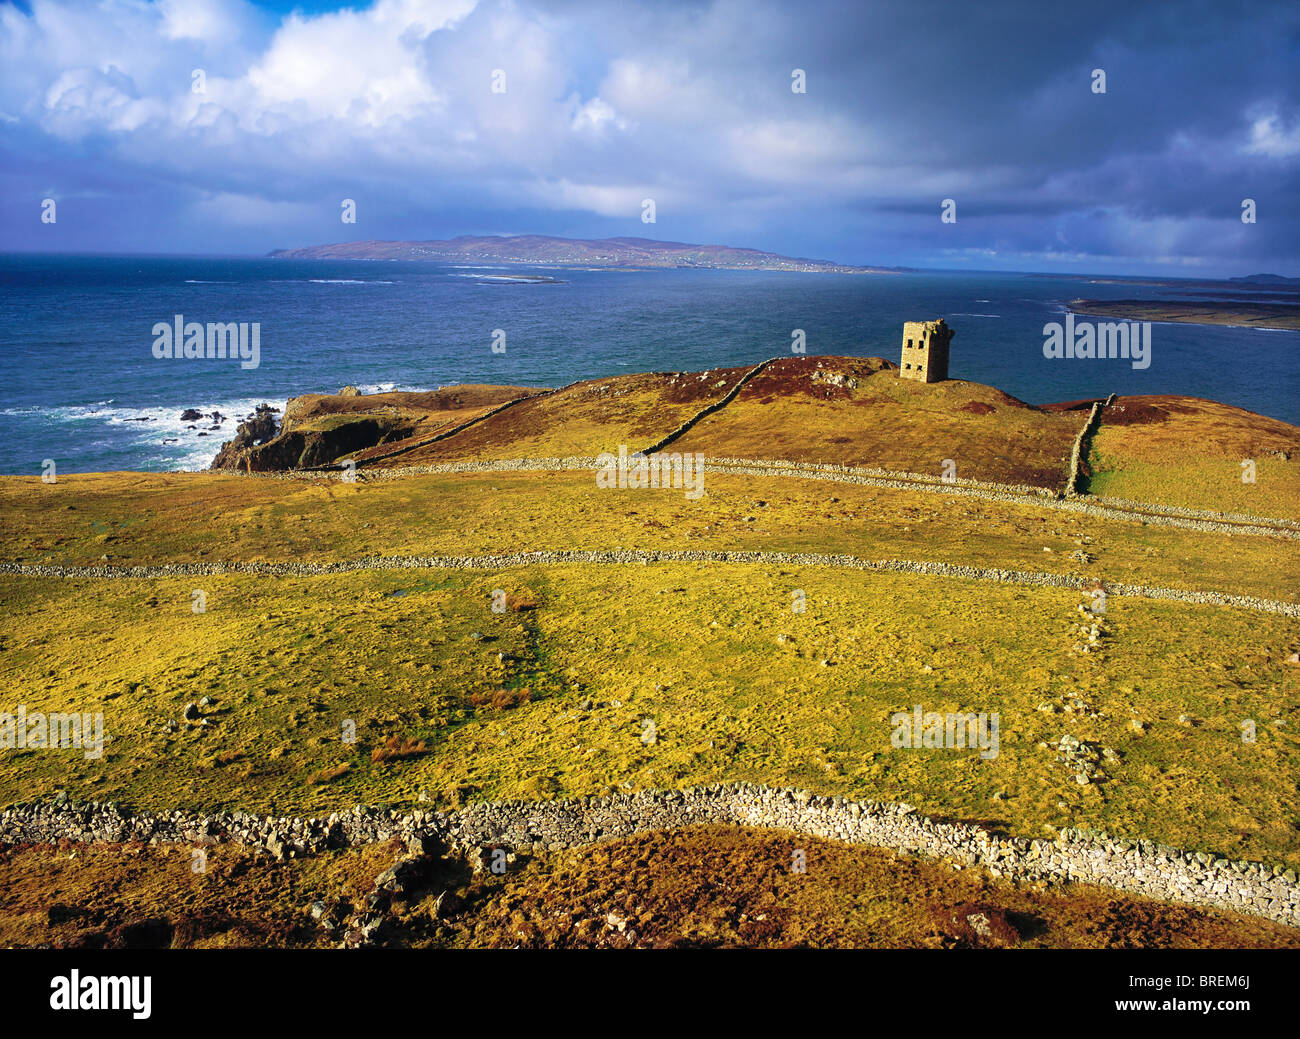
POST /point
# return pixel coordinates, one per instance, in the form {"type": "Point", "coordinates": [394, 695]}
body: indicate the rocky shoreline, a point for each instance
{"type": "Point", "coordinates": [1136, 867]}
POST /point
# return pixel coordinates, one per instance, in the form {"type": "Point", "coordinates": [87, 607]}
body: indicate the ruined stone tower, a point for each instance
{"type": "Point", "coordinates": [925, 350]}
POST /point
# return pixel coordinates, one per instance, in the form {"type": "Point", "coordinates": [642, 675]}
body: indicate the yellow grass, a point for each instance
{"type": "Point", "coordinates": [1189, 452]}
{"type": "Point", "coordinates": [697, 651]}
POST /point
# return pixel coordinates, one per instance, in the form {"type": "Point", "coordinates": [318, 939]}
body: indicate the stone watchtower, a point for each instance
{"type": "Point", "coordinates": [925, 350]}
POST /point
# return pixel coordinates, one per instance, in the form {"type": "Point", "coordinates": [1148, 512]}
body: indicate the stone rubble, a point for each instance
{"type": "Point", "coordinates": [1135, 867]}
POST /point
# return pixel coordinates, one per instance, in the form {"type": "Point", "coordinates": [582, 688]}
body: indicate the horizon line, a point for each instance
{"type": "Point", "coordinates": [147, 254]}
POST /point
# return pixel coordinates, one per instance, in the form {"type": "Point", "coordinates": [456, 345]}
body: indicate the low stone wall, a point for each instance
{"type": "Point", "coordinates": [1079, 452]}
{"type": "Point", "coordinates": [707, 410]}
{"type": "Point", "coordinates": [722, 463]}
{"type": "Point", "coordinates": [425, 442]}
{"type": "Point", "coordinates": [1135, 867]}
{"type": "Point", "coordinates": [645, 557]}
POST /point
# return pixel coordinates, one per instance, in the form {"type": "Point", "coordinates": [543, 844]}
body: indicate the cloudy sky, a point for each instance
{"type": "Point", "coordinates": [391, 103]}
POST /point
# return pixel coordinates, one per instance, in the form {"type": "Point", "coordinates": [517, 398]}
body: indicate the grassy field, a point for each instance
{"type": "Point", "coordinates": [202, 517]}
{"type": "Point", "coordinates": [308, 694]}
{"type": "Point", "coordinates": [1188, 452]}
{"type": "Point", "coordinates": [586, 419]}
{"type": "Point", "coordinates": [452, 702]}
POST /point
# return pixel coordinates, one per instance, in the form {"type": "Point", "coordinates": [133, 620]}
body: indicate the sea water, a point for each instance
{"type": "Point", "coordinates": [83, 385]}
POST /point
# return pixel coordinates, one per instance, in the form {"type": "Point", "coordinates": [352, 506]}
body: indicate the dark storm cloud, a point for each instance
{"type": "Point", "coordinates": [907, 104]}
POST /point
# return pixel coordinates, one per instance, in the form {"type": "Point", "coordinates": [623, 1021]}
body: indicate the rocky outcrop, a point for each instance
{"type": "Point", "coordinates": [301, 449]}
{"type": "Point", "coordinates": [258, 429]}
{"type": "Point", "coordinates": [305, 441]}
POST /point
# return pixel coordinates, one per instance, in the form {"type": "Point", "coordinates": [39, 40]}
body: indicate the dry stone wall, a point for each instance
{"type": "Point", "coordinates": [624, 557]}
{"type": "Point", "coordinates": [1079, 452]}
{"type": "Point", "coordinates": [1135, 867]}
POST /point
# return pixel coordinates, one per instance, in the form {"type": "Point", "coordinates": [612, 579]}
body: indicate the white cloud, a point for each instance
{"type": "Point", "coordinates": [597, 116]}
{"type": "Point", "coordinates": [84, 100]}
{"type": "Point", "coordinates": [363, 66]}
{"type": "Point", "coordinates": [1269, 137]}
{"type": "Point", "coordinates": [604, 199]}
{"type": "Point", "coordinates": [211, 21]}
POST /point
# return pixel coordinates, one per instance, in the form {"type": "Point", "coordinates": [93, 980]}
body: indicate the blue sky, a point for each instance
{"type": "Point", "coordinates": [391, 104]}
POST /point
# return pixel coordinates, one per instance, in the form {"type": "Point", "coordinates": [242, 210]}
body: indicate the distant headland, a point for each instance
{"type": "Point", "coordinates": [604, 252]}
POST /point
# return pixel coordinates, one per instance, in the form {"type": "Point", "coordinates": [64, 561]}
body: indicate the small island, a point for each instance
{"type": "Point", "coordinates": [1196, 312]}
{"type": "Point", "coordinates": [603, 254]}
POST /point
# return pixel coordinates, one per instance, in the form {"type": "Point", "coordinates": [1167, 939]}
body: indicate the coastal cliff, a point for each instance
{"type": "Point", "coordinates": [321, 429]}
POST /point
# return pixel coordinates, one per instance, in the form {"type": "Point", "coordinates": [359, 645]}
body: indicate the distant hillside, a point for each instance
{"type": "Point", "coordinates": [1267, 279]}
{"type": "Point", "coordinates": [543, 249]}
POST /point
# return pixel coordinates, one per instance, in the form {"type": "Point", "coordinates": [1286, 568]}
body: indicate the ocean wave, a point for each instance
{"type": "Point", "coordinates": [510, 279]}
{"type": "Point", "coordinates": [976, 315]}
{"type": "Point", "coordinates": [40, 409]}
{"type": "Point", "coordinates": [157, 432]}
{"type": "Point", "coordinates": [155, 436]}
